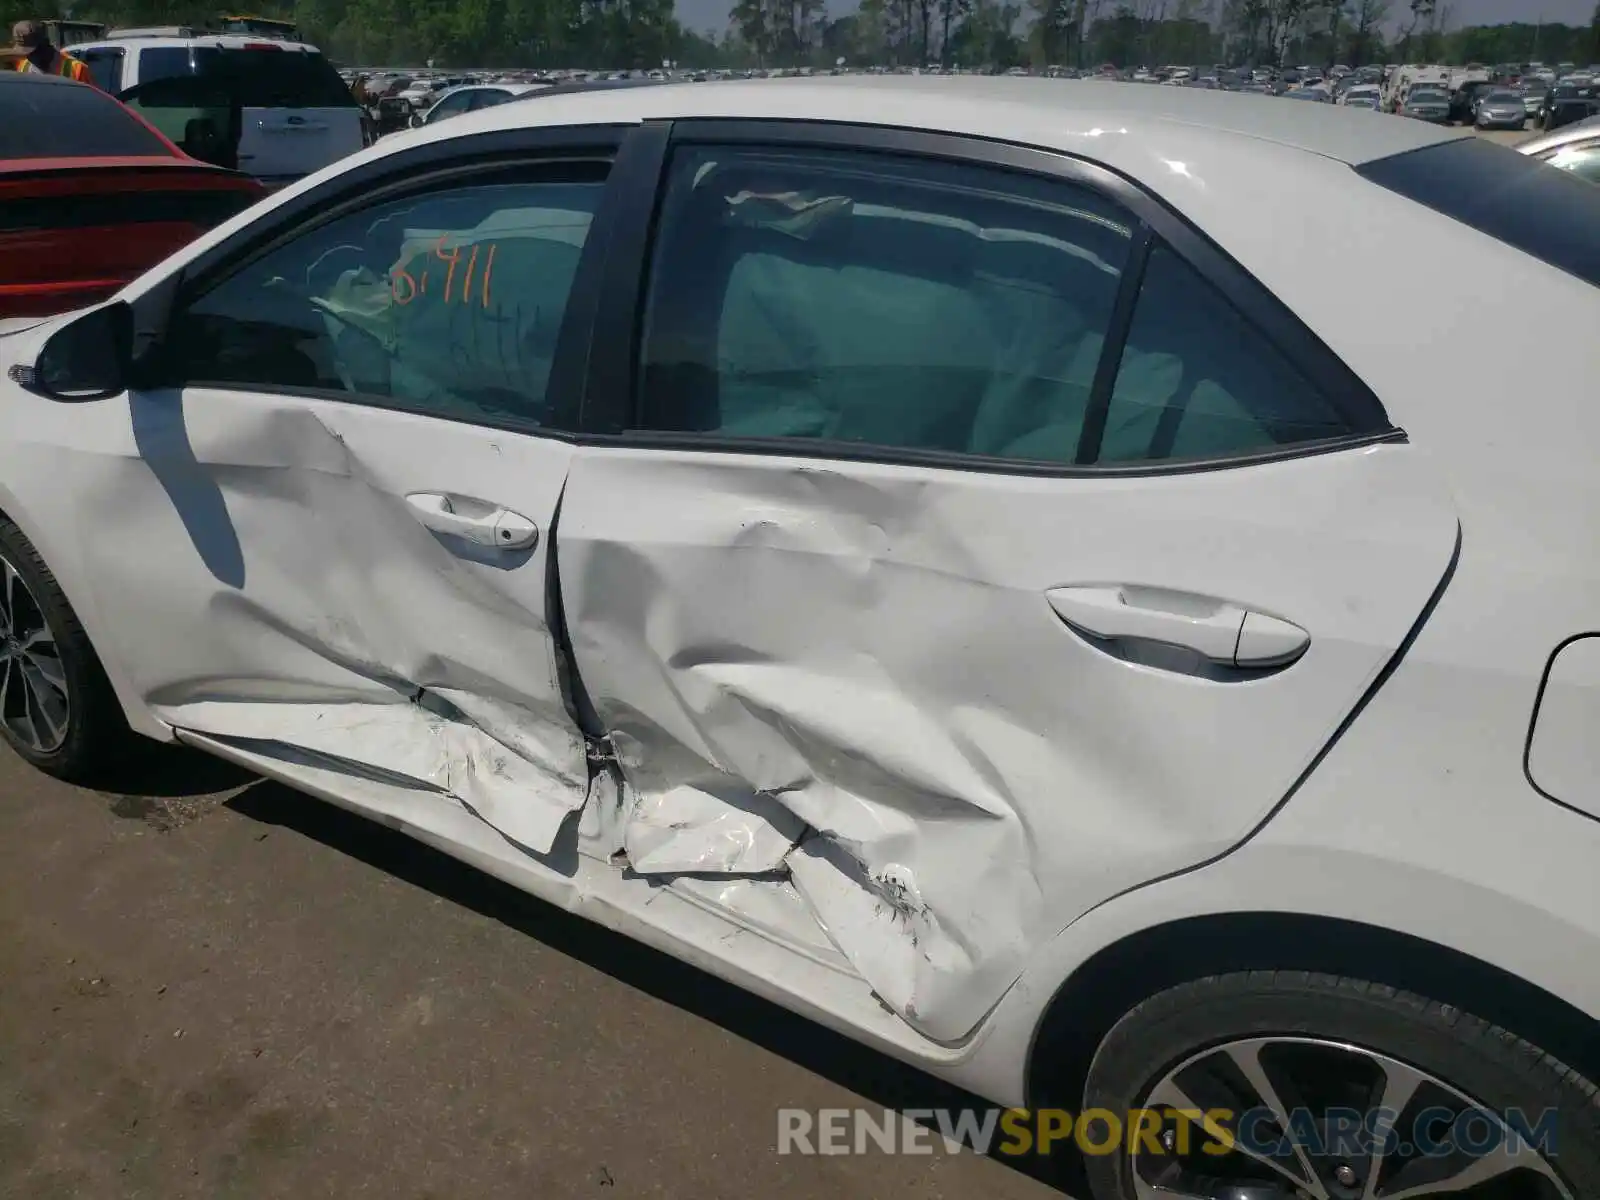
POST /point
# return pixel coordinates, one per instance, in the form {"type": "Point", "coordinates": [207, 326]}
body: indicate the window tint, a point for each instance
{"type": "Point", "coordinates": [451, 106]}
{"type": "Point", "coordinates": [105, 68]}
{"type": "Point", "coordinates": [870, 299]}
{"type": "Point", "coordinates": [1551, 215]}
{"type": "Point", "coordinates": [268, 78]}
{"type": "Point", "coordinates": [48, 118]}
{"type": "Point", "coordinates": [488, 98]}
{"type": "Point", "coordinates": [448, 303]}
{"type": "Point", "coordinates": [1197, 381]}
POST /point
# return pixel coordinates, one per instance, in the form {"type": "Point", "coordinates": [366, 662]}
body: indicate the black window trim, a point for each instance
{"type": "Point", "coordinates": [426, 168]}
{"type": "Point", "coordinates": [611, 404]}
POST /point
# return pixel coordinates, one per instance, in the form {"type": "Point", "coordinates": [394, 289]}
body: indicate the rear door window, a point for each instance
{"type": "Point", "coordinates": [938, 307]}
{"type": "Point", "coordinates": [268, 77]}
{"type": "Point", "coordinates": [847, 297]}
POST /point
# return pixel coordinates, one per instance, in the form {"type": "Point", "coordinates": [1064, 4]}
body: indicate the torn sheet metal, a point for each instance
{"type": "Point", "coordinates": [282, 591]}
{"type": "Point", "coordinates": [602, 825]}
{"type": "Point", "coordinates": [871, 647]}
{"type": "Point", "coordinates": [695, 831]}
{"type": "Point", "coordinates": [767, 906]}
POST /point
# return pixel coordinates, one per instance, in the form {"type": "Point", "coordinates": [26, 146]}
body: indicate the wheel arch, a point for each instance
{"type": "Point", "coordinates": [1118, 976]}
{"type": "Point", "coordinates": [65, 567]}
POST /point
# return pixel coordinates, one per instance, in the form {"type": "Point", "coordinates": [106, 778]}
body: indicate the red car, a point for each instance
{"type": "Point", "coordinates": [91, 195]}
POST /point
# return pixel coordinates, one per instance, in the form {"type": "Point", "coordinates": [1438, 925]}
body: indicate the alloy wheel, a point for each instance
{"type": "Point", "coordinates": [34, 705]}
{"type": "Point", "coordinates": [1309, 1119]}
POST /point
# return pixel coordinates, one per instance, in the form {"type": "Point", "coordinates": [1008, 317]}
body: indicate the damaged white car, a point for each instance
{"type": "Point", "coordinates": [960, 558]}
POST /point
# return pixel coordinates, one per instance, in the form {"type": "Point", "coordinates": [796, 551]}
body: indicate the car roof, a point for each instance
{"type": "Point", "coordinates": [1051, 113]}
{"type": "Point", "coordinates": [228, 41]}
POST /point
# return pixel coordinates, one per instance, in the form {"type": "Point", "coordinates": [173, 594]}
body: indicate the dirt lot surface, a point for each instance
{"type": "Point", "coordinates": [224, 989]}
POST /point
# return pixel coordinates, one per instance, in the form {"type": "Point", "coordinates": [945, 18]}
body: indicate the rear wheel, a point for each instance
{"type": "Point", "coordinates": [1333, 1089]}
{"type": "Point", "coordinates": [57, 709]}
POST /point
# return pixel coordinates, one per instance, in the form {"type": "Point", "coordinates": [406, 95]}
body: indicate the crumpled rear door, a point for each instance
{"type": "Point", "coordinates": [856, 679]}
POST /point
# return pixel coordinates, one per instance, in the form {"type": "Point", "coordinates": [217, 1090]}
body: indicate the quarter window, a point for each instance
{"type": "Point", "coordinates": [1197, 381]}
{"type": "Point", "coordinates": [919, 305]}
{"type": "Point", "coordinates": [448, 303]}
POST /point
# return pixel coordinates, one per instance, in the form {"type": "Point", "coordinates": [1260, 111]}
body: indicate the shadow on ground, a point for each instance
{"type": "Point", "coordinates": [158, 771]}
{"type": "Point", "coordinates": [879, 1079]}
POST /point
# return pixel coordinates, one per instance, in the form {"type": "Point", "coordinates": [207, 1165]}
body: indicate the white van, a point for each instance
{"type": "Point", "coordinates": [297, 117]}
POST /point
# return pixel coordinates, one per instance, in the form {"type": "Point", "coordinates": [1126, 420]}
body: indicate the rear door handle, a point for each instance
{"type": "Point", "coordinates": [1225, 633]}
{"type": "Point", "coordinates": [474, 521]}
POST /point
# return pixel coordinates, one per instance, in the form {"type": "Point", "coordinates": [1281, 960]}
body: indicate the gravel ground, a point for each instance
{"type": "Point", "coordinates": [220, 989]}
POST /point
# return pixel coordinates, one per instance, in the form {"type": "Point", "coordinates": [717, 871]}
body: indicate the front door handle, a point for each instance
{"type": "Point", "coordinates": [474, 521]}
{"type": "Point", "coordinates": [1220, 631]}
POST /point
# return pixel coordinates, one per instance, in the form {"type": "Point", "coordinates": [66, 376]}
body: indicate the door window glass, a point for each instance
{"type": "Point", "coordinates": [449, 302]}
{"type": "Point", "coordinates": [269, 77]}
{"type": "Point", "coordinates": [488, 98]}
{"type": "Point", "coordinates": [1196, 380]}
{"type": "Point", "coordinates": [877, 300]}
{"type": "Point", "coordinates": [105, 68]}
{"type": "Point", "coordinates": [451, 106]}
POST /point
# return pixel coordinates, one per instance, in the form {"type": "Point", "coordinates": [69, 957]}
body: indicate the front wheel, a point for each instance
{"type": "Point", "coordinates": [57, 709]}
{"type": "Point", "coordinates": [1305, 1086]}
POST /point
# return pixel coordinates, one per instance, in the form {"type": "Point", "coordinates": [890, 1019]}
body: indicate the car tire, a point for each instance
{"type": "Point", "coordinates": [87, 735]}
{"type": "Point", "coordinates": [1281, 1010]}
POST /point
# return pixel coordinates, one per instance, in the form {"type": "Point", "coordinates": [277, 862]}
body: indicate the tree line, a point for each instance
{"type": "Point", "coordinates": [996, 34]}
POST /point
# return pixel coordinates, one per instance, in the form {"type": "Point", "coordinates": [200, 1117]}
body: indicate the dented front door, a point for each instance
{"type": "Point", "coordinates": [343, 552]}
{"type": "Point", "coordinates": [289, 579]}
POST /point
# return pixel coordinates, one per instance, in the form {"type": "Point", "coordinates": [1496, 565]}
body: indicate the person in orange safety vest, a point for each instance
{"type": "Point", "coordinates": [35, 53]}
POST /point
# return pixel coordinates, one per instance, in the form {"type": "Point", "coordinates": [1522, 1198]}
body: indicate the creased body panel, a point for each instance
{"type": "Point", "coordinates": [870, 650]}
{"type": "Point", "coordinates": [259, 556]}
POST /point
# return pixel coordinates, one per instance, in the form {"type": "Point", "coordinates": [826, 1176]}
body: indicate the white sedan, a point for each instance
{"type": "Point", "coordinates": [965, 559]}
{"type": "Point", "coordinates": [470, 97]}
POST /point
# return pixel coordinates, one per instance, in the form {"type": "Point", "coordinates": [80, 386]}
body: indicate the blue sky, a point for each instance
{"type": "Point", "coordinates": [713, 14]}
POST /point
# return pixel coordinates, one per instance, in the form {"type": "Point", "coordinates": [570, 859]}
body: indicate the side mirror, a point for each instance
{"type": "Point", "coordinates": [88, 358]}
{"type": "Point", "coordinates": [417, 120]}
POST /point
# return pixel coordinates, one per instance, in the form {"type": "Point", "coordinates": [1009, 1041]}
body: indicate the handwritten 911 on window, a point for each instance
{"type": "Point", "coordinates": [462, 283]}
